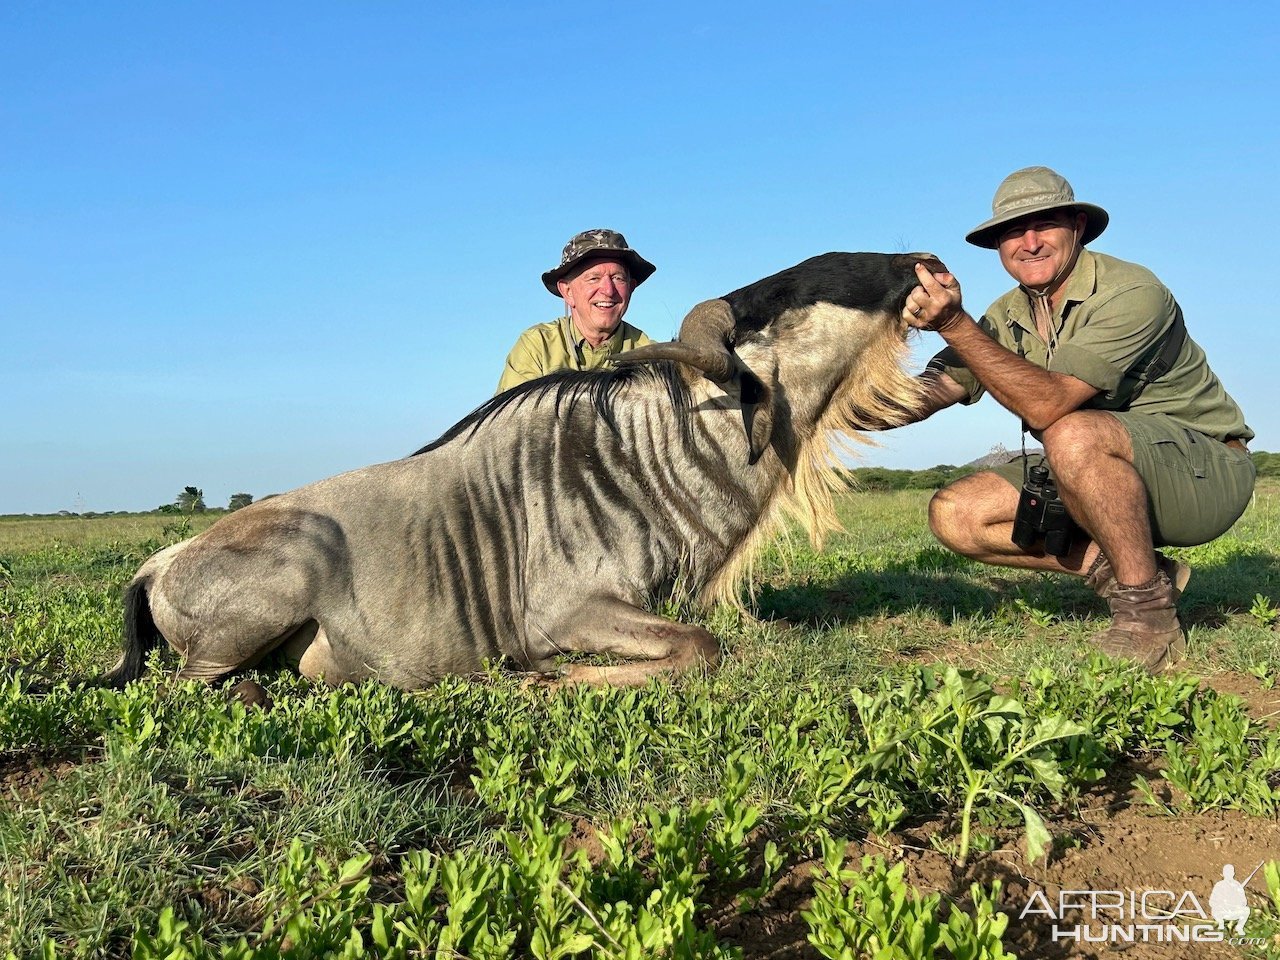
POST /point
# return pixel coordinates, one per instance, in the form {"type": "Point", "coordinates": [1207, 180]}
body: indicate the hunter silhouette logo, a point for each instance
{"type": "Point", "coordinates": [1148, 916]}
{"type": "Point", "coordinates": [1228, 902]}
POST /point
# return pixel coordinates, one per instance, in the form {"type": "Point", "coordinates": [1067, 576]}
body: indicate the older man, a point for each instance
{"type": "Point", "coordinates": [1145, 445]}
{"type": "Point", "coordinates": [595, 278]}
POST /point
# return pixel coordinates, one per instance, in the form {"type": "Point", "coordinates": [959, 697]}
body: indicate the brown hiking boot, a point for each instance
{"type": "Point", "coordinates": [1102, 581]}
{"type": "Point", "coordinates": [1144, 625]}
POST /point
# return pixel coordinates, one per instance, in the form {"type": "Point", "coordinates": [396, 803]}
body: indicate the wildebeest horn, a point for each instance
{"type": "Point", "coordinates": [704, 344]}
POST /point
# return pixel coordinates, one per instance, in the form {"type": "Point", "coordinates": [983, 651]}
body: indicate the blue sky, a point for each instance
{"type": "Point", "coordinates": [247, 246]}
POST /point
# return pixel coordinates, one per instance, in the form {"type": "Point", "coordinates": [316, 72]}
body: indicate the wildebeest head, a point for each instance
{"type": "Point", "coordinates": [713, 332]}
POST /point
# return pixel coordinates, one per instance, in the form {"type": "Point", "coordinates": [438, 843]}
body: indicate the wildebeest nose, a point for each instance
{"type": "Point", "coordinates": [932, 262]}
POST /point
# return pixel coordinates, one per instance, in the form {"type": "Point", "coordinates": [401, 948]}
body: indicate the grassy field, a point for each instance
{"type": "Point", "coordinates": [899, 750]}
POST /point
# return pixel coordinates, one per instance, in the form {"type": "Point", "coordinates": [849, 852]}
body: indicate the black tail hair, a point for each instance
{"type": "Point", "coordinates": [140, 636]}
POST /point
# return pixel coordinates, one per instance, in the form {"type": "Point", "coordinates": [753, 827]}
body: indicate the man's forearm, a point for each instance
{"type": "Point", "coordinates": [1039, 397]}
{"type": "Point", "coordinates": [1036, 395]}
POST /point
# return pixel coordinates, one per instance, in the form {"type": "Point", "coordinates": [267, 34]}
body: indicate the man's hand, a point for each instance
{"type": "Point", "coordinates": [935, 304]}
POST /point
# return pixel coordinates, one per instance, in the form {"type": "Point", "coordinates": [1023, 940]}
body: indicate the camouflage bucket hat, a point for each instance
{"type": "Point", "coordinates": [598, 243]}
{"type": "Point", "coordinates": [1034, 190]}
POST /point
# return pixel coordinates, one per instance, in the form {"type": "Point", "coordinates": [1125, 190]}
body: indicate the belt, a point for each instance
{"type": "Point", "coordinates": [1236, 443]}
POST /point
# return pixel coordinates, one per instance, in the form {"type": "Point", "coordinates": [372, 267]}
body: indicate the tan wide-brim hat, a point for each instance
{"type": "Point", "coordinates": [598, 244]}
{"type": "Point", "coordinates": [1029, 191]}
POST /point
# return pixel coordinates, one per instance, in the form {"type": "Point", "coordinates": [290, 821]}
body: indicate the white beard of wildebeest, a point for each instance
{"type": "Point", "coordinates": [542, 522]}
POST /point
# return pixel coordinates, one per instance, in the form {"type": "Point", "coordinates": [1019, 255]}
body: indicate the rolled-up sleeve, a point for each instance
{"type": "Point", "coordinates": [1117, 333]}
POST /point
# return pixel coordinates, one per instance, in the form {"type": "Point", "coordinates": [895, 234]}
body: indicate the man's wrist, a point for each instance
{"type": "Point", "coordinates": [951, 323]}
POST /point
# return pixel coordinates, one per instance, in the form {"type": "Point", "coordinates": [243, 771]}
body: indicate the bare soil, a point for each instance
{"type": "Point", "coordinates": [24, 775]}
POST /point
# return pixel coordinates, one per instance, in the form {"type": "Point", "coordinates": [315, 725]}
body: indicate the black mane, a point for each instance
{"type": "Point", "coordinates": [598, 387]}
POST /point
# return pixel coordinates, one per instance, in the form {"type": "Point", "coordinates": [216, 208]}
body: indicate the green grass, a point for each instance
{"type": "Point", "coordinates": [167, 806]}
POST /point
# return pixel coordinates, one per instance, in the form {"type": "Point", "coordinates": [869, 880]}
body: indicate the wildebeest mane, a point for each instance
{"type": "Point", "coordinates": [600, 388]}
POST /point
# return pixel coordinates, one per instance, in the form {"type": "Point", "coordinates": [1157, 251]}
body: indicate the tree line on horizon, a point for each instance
{"type": "Point", "coordinates": [934, 478]}
{"type": "Point", "coordinates": [191, 498]}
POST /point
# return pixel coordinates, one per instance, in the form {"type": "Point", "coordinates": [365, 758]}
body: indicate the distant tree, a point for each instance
{"type": "Point", "coordinates": [1267, 464]}
{"type": "Point", "coordinates": [168, 508]}
{"type": "Point", "coordinates": [927, 479]}
{"type": "Point", "coordinates": [239, 500]}
{"type": "Point", "coordinates": [191, 500]}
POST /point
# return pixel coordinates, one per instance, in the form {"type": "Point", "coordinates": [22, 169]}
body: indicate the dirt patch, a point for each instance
{"type": "Point", "coordinates": [1110, 843]}
{"type": "Point", "coordinates": [1132, 849]}
{"type": "Point", "coordinates": [1263, 703]}
{"type": "Point", "coordinates": [774, 928]}
{"type": "Point", "coordinates": [25, 775]}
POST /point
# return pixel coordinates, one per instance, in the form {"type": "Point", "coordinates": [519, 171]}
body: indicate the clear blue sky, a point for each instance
{"type": "Point", "coordinates": [246, 246]}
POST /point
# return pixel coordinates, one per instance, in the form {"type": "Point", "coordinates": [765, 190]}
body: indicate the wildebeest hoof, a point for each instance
{"type": "Point", "coordinates": [251, 694]}
{"type": "Point", "coordinates": [541, 681]}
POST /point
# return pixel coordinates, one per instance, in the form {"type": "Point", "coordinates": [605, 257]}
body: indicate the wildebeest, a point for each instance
{"type": "Point", "coordinates": [540, 524]}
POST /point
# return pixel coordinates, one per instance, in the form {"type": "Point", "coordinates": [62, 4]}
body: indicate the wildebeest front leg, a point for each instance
{"type": "Point", "coordinates": [653, 645]}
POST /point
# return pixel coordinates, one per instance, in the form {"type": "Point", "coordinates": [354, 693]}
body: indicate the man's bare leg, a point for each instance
{"type": "Point", "coordinates": [974, 517]}
{"type": "Point", "coordinates": [1092, 459]}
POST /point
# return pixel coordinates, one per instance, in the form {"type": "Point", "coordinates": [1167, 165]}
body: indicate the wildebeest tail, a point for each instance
{"type": "Point", "coordinates": [140, 636]}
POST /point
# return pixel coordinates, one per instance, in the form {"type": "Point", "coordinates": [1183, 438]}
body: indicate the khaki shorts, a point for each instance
{"type": "Point", "coordinates": [1196, 487]}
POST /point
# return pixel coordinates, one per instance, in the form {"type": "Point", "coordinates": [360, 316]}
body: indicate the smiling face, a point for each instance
{"type": "Point", "coordinates": [1040, 250]}
{"type": "Point", "coordinates": [597, 296]}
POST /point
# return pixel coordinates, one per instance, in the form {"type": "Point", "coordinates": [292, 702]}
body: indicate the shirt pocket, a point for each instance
{"type": "Point", "coordinates": [1184, 450]}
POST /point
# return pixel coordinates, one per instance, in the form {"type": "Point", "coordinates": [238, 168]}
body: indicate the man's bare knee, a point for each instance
{"type": "Point", "coordinates": [943, 509]}
{"type": "Point", "coordinates": [961, 512]}
{"type": "Point", "coordinates": [953, 517]}
{"type": "Point", "coordinates": [1083, 437]}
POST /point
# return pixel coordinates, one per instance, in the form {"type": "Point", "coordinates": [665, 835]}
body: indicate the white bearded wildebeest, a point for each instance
{"type": "Point", "coordinates": [539, 525]}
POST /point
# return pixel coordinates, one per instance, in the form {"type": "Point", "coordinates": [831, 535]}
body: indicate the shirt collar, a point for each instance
{"type": "Point", "coordinates": [1083, 282]}
{"type": "Point", "coordinates": [573, 336]}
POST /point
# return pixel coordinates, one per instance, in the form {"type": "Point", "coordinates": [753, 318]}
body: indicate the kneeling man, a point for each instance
{"type": "Point", "coordinates": [1146, 446]}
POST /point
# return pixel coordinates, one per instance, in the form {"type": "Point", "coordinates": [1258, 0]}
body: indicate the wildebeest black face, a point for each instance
{"type": "Point", "coordinates": [871, 282]}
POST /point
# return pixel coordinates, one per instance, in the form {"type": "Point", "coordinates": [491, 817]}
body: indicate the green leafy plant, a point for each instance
{"type": "Point", "coordinates": [874, 912]}
{"type": "Point", "coordinates": [961, 736]}
{"type": "Point", "coordinates": [1227, 761]}
{"type": "Point", "coordinates": [1264, 611]}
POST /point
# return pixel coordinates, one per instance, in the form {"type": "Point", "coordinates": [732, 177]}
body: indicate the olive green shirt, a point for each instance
{"type": "Point", "coordinates": [557, 345]}
{"type": "Point", "coordinates": [1110, 319]}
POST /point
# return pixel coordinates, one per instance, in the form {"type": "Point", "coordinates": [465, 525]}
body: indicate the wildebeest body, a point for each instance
{"type": "Point", "coordinates": [542, 522]}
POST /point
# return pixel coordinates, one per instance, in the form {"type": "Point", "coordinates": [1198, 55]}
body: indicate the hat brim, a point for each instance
{"type": "Point", "coordinates": [987, 235]}
{"type": "Point", "coordinates": [640, 268]}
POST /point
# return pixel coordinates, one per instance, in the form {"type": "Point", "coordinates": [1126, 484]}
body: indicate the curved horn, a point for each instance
{"type": "Point", "coordinates": [703, 343]}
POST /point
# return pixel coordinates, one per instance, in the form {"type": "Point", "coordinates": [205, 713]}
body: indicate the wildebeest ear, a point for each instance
{"type": "Point", "coordinates": [757, 412]}
{"type": "Point", "coordinates": [705, 345]}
